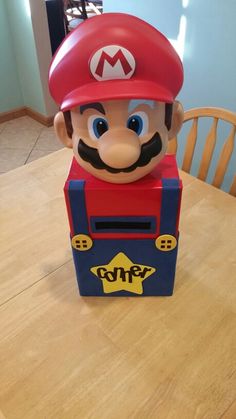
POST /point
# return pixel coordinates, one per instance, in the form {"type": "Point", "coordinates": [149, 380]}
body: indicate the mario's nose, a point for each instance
{"type": "Point", "coordinates": [119, 148]}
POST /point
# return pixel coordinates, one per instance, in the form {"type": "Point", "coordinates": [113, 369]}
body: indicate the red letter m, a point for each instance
{"type": "Point", "coordinates": [112, 61]}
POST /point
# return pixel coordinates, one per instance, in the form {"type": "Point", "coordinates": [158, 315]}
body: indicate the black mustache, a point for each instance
{"type": "Point", "coordinates": [148, 150]}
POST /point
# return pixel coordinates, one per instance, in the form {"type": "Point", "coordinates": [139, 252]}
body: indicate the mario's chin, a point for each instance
{"type": "Point", "coordinates": [151, 153]}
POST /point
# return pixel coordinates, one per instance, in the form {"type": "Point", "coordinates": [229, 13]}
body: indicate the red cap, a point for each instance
{"type": "Point", "coordinates": [114, 56]}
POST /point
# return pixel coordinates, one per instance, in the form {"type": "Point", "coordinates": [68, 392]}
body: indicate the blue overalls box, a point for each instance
{"type": "Point", "coordinates": [125, 236]}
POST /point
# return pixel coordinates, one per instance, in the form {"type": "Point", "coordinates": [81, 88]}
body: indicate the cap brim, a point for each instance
{"type": "Point", "coordinates": [116, 89]}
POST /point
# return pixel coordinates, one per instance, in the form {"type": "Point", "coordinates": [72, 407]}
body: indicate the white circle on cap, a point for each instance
{"type": "Point", "coordinates": [112, 62]}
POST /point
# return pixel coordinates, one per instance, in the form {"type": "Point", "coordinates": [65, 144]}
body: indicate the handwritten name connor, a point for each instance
{"type": "Point", "coordinates": [121, 274]}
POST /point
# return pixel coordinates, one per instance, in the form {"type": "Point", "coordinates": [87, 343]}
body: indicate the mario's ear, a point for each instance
{"type": "Point", "coordinates": [61, 132]}
{"type": "Point", "coordinates": [177, 119]}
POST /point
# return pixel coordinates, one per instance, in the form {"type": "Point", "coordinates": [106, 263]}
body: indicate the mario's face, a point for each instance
{"type": "Point", "coordinates": [120, 141]}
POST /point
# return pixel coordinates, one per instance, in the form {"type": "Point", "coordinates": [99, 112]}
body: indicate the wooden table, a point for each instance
{"type": "Point", "coordinates": [64, 356]}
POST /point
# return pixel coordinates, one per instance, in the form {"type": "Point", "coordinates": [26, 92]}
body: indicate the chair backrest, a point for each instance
{"type": "Point", "coordinates": [227, 145]}
{"type": "Point", "coordinates": [75, 12]}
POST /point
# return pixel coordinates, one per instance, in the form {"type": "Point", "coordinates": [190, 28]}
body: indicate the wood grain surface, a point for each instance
{"type": "Point", "coordinates": [66, 356]}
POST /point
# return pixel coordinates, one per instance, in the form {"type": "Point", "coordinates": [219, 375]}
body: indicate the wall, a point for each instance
{"type": "Point", "coordinates": [43, 49]}
{"type": "Point", "coordinates": [25, 46]}
{"type": "Point", "coordinates": [209, 51]}
{"type": "Point", "coordinates": [25, 54]}
{"type": "Point", "coordinates": [10, 92]}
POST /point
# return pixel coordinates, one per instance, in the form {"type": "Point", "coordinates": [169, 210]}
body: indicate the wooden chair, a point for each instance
{"type": "Point", "coordinates": [227, 145]}
{"type": "Point", "coordinates": [76, 11]}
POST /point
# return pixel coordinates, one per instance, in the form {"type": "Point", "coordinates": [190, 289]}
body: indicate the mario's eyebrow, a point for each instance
{"type": "Point", "coordinates": [98, 106]}
{"type": "Point", "coordinates": [134, 103]}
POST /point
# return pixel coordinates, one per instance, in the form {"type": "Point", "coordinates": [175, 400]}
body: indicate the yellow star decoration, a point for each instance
{"type": "Point", "coordinates": [122, 274]}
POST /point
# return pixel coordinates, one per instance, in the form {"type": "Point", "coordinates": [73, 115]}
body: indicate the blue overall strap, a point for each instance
{"type": "Point", "coordinates": [169, 206]}
{"type": "Point", "coordinates": [76, 194]}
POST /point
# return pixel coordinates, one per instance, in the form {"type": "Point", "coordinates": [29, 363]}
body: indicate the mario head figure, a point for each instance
{"type": "Point", "coordinates": [115, 78]}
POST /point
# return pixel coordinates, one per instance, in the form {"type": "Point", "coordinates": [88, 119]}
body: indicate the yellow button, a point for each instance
{"type": "Point", "coordinates": [166, 242]}
{"type": "Point", "coordinates": [82, 242]}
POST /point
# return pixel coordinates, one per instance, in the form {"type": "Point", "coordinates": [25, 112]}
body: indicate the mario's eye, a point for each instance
{"type": "Point", "coordinates": [138, 123]}
{"type": "Point", "coordinates": [97, 126]}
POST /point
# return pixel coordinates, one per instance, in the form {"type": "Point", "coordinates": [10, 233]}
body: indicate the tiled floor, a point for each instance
{"type": "Point", "coordinates": [23, 140]}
